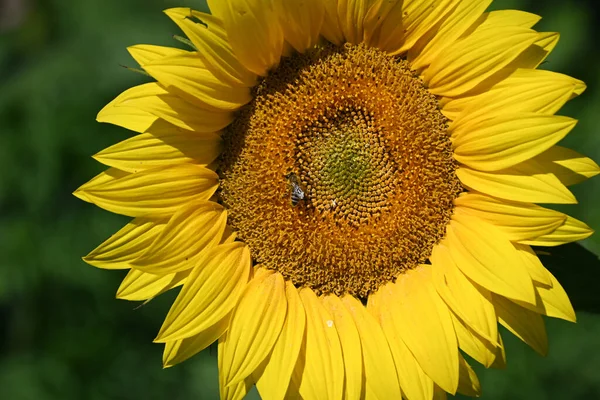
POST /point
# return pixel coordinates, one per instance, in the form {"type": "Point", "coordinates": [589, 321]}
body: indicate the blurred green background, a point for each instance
{"type": "Point", "coordinates": [62, 333]}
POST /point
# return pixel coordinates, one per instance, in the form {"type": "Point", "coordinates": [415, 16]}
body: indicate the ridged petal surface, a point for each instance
{"type": "Point", "coordinates": [485, 255]}
{"type": "Point", "coordinates": [118, 251]}
{"type": "Point", "coordinates": [320, 369]}
{"type": "Point", "coordinates": [274, 379]}
{"type": "Point", "coordinates": [504, 141]}
{"type": "Point", "coordinates": [160, 148]}
{"type": "Point", "coordinates": [351, 346]}
{"type": "Point", "coordinates": [256, 324]}
{"type": "Point", "coordinates": [519, 221]}
{"type": "Point", "coordinates": [151, 98]}
{"type": "Point", "coordinates": [469, 61]}
{"type": "Point", "coordinates": [523, 182]}
{"type": "Point", "coordinates": [159, 191]}
{"type": "Point", "coordinates": [419, 312]}
{"type": "Point", "coordinates": [213, 289]}
{"type": "Point", "coordinates": [253, 30]}
{"type": "Point", "coordinates": [195, 228]}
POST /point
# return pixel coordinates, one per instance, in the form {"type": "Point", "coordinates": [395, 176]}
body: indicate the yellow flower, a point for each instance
{"type": "Point", "coordinates": [345, 190]}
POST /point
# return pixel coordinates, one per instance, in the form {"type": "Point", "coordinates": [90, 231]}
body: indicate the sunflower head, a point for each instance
{"type": "Point", "coordinates": [346, 192]}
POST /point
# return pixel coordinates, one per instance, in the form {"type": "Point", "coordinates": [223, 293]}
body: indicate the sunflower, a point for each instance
{"type": "Point", "coordinates": [346, 192]}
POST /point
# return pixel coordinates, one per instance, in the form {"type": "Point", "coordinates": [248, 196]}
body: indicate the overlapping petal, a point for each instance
{"type": "Point", "coordinates": [159, 191]}
{"type": "Point", "coordinates": [194, 229]}
{"type": "Point", "coordinates": [351, 346]}
{"type": "Point", "coordinates": [407, 21]}
{"type": "Point", "coordinates": [118, 251]}
{"type": "Point", "coordinates": [523, 182]}
{"type": "Point", "coordinates": [209, 37]}
{"type": "Point", "coordinates": [274, 379]}
{"type": "Point", "coordinates": [256, 323]}
{"type": "Point", "coordinates": [524, 91]}
{"type": "Point", "coordinates": [415, 383]}
{"type": "Point", "coordinates": [519, 221]}
{"type": "Point", "coordinates": [504, 141]}
{"type": "Point", "coordinates": [320, 368]}
{"type": "Point", "coordinates": [139, 285]}
{"type": "Point", "coordinates": [486, 256]}
{"type": "Point", "coordinates": [462, 15]}
{"type": "Point", "coordinates": [162, 145]}
{"type": "Point", "coordinates": [153, 99]}
{"type": "Point", "coordinates": [419, 312]}
{"type": "Point", "coordinates": [253, 31]}
{"type": "Point", "coordinates": [523, 323]}
{"type": "Point", "coordinates": [473, 305]}
{"type": "Point", "coordinates": [469, 61]}
{"type": "Point", "coordinates": [300, 21]}
{"type": "Point", "coordinates": [215, 285]}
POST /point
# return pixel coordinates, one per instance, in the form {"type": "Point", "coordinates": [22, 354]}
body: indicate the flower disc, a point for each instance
{"type": "Point", "coordinates": [370, 149]}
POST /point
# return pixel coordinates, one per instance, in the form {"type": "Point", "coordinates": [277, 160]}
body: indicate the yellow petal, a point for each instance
{"type": "Point", "coordinates": [471, 304]}
{"type": "Point", "coordinates": [381, 380]}
{"type": "Point", "coordinates": [524, 324]}
{"type": "Point", "coordinates": [147, 53]}
{"type": "Point", "coordinates": [555, 302]}
{"type": "Point", "coordinates": [419, 312]}
{"type": "Point", "coordinates": [468, 383]}
{"type": "Point", "coordinates": [468, 62]}
{"type": "Point", "coordinates": [503, 18]}
{"type": "Point", "coordinates": [486, 256]}
{"type": "Point", "coordinates": [551, 301]}
{"type": "Point", "coordinates": [211, 292]}
{"type": "Point", "coordinates": [456, 22]}
{"type": "Point", "coordinates": [301, 21]}
{"type": "Point", "coordinates": [351, 15]}
{"type": "Point", "coordinates": [139, 285]}
{"type": "Point", "coordinates": [408, 21]}
{"type": "Point", "coordinates": [255, 326]}
{"type": "Point", "coordinates": [504, 141]}
{"type": "Point", "coordinates": [159, 191]}
{"type": "Point", "coordinates": [253, 31]}
{"type": "Point", "coordinates": [194, 229]}
{"type": "Point", "coordinates": [569, 166]}
{"type": "Point", "coordinates": [185, 76]}
{"type": "Point", "coordinates": [232, 392]}
{"type": "Point", "coordinates": [571, 230]}
{"type": "Point", "coordinates": [351, 346]}
{"type": "Point", "coordinates": [376, 14]}
{"type": "Point", "coordinates": [330, 29]}
{"type": "Point", "coordinates": [151, 98]}
{"type": "Point", "coordinates": [415, 384]}
{"type": "Point", "coordinates": [523, 182]}
{"type": "Point", "coordinates": [162, 147]}
{"type": "Point", "coordinates": [214, 50]}
{"type": "Point", "coordinates": [481, 350]}
{"type": "Point", "coordinates": [126, 245]}
{"type": "Point", "coordinates": [178, 351]}
{"type": "Point", "coordinates": [131, 118]}
{"type": "Point", "coordinates": [534, 266]}
{"type": "Point", "coordinates": [519, 221]}
{"type": "Point", "coordinates": [274, 380]}
{"type": "Point", "coordinates": [319, 372]}
{"type": "Point", "coordinates": [525, 90]}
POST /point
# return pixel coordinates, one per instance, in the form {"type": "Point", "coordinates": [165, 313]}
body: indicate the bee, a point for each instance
{"type": "Point", "coordinates": [297, 192]}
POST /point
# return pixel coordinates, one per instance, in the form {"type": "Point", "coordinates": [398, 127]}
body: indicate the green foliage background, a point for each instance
{"type": "Point", "coordinates": [62, 333]}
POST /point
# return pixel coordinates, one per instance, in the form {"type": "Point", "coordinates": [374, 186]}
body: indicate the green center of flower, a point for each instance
{"type": "Point", "coordinates": [340, 173]}
{"type": "Point", "coordinates": [348, 171]}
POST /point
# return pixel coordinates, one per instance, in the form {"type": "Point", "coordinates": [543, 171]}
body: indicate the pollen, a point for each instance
{"type": "Point", "coordinates": [370, 149]}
